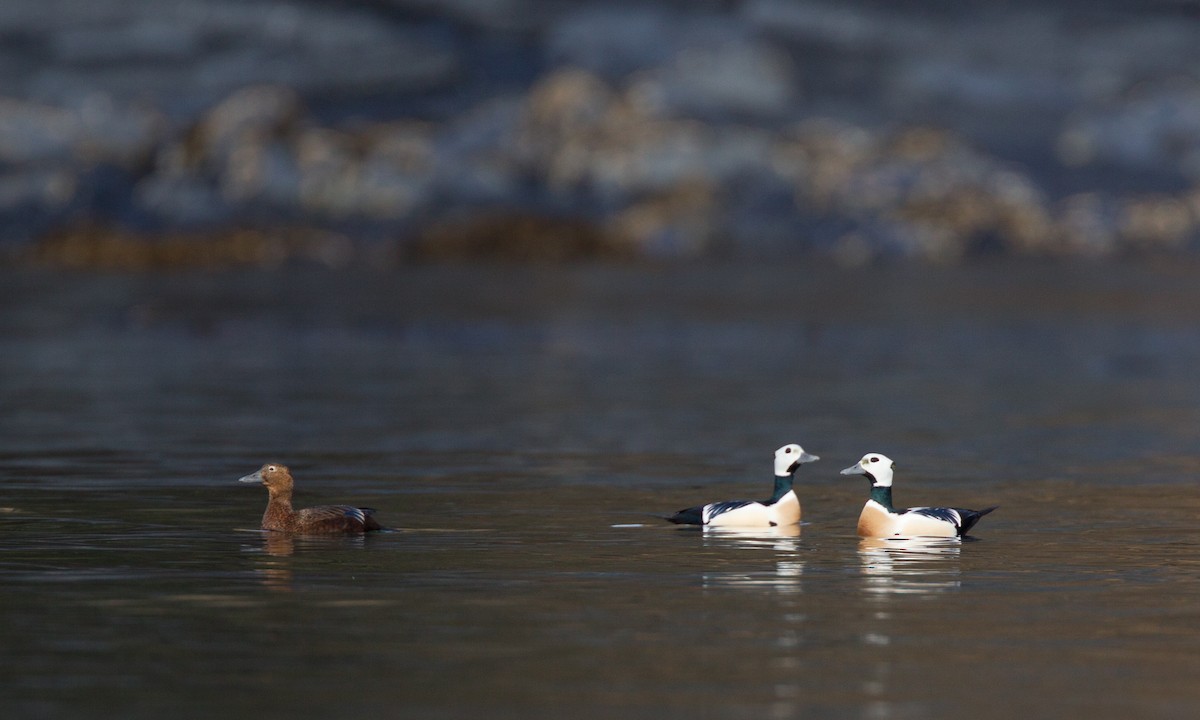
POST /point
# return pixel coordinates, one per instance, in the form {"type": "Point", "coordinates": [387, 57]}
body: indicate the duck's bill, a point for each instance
{"type": "Point", "coordinates": [855, 469]}
{"type": "Point", "coordinates": [807, 458]}
{"type": "Point", "coordinates": [255, 477]}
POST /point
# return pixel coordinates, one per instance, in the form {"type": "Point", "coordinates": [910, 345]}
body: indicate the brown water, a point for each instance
{"type": "Point", "coordinates": [519, 428]}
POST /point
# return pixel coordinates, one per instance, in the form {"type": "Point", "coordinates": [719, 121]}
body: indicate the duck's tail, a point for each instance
{"type": "Point", "coordinates": [688, 516]}
{"type": "Point", "coordinates": [970, 517]}
{"type": "Point", "coordinates": [369, 521]}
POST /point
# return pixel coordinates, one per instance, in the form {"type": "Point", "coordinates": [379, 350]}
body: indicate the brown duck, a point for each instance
{"type": "Point", "coordinates": [328, 519]}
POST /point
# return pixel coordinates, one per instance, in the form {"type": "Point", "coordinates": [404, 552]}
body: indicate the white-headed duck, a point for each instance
{"type": "Point", "coordinates": [880, 519]}
{"type": "Point", "coordinates": [782, 508]}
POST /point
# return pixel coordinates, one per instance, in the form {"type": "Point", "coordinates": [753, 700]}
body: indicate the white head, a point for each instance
{"type": "Point", "coordinates": [876, 467]}
{"type": "Point", "coordinates": [790, 457]}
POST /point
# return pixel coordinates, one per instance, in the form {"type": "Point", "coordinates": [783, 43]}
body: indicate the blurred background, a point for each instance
{"type": "Point", "coordinates": [525, 275]}
{"type": "Point", "coordinates": [140, 133]}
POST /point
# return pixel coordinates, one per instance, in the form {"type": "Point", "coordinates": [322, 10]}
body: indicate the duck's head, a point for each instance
{"type": "Point", "coordinates": [790, 457]}
{"type": "Point", "coordinates": [275, 476]}
{"type": "Point", "coordinates": [878, 469]}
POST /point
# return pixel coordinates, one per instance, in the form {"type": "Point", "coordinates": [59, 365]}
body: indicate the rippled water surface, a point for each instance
{"type": "Point", "coordinates": [519, 428]}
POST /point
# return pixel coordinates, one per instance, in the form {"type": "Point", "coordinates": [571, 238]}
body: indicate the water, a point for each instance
{"type": "Point", "coordinates": [519, 428]}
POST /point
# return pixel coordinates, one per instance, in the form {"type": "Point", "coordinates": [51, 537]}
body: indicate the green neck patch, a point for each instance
{"type": "Point", "coordinates": [783, 483]}
{"type": "Point", "coordinates": [883, 496]}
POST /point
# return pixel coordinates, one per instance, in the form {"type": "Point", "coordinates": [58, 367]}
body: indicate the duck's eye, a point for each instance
{"type": "Point", "coordinates": [788, 451]}
{"type": "Point", "coordinates": [874, 459]}
{"type": "Point", "coordinates": [270, 468]}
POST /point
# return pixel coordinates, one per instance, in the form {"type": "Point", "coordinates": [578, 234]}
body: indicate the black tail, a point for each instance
{"type": "Point", "coordinates": [690, 516]}
{"type": "Point", "coordinates": [369, 522]}
{"type": "Point", "coordinates": [970, 517]}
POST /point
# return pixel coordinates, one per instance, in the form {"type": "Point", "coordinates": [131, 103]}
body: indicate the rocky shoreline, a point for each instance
{"type": "Point", "coordinates": [660, 132]}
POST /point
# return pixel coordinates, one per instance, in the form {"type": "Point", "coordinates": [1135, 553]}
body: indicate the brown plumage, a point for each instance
{"type": "Point", "coordinates": [325, 519]}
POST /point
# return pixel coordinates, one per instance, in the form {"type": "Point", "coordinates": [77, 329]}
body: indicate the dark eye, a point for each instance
{"type": "Point", "coordinates": [874, 459]}
{"type": "Point", "coordinates": [788, 451]}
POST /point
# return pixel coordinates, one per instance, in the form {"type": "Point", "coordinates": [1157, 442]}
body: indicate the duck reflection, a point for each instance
{"type": "Point", "coordinates": [279, 544]}
{"type": "Point", "coordinates": [893, 568]}
{"type": "Point", "coordinates": [910, 566]}
{"type": "Point", "coordinates": [275, 571]}
{"type": "Point", "coordinates": [784, 540]}
{"type": "Point", "coordinates": [272, 570]}
{"type": "Point", "coordinates": [275, 578]}
{"type": "Point", "coordinates": [752, 536]}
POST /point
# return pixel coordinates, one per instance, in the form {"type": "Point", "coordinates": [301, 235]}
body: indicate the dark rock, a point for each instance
{"type": "Point", "coordinates": [99, 247]}
{"type": "Point", "coordinates": [513, 128]}
{"type": "Point", "coordinates": [503, 235]}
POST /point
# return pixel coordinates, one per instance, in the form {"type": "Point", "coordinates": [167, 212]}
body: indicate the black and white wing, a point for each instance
{"type": "Point", "coordinates": [706, 514]}
{"type": "Point", "coordinates": [712, 511]}
{"type": "Point", "coordinates": [962, 519]}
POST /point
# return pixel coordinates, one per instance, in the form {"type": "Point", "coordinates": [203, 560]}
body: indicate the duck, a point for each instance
{"type": "Point", "coordinates": [782, 508]}
{"type": "Point", "coordinates": [879, 518]}
{"type": "Point", "coordinates": [323, 519]}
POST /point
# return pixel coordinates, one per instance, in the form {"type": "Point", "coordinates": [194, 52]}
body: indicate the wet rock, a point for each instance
{"type": "Point", "coordinates": [1086, 226]}
{"type": "Point", "coordinates": [919, 192]}
{"type": "Point", "coordinates": [181, 200]}
{"type": "Point", "coordinates": [683, 222]}
{"type": "Point", "coordinates": [56, 162]}
{"type": "Point", "coordinates": [598, 172]}
{"type": "Point", "coordinates": [665, 130]}
{"type": "Point", "coordinates": [733, 79]}
{"type": "Point", "coordinates": [508, 236]}
{"type": "Point", "coordinates": [1157, 222]}
{"type": "Point", "coordinates": [251, 114]}
{"type": "Point", "coordinates": [258, 148]}
{"type": "Point", "coordinates": [384, 172]}
{"type": "Point", "coordinates": [47, 190]}
{"type": "Point", "coordinates": [613, 42]}
{"type": "Point", "coordinates": [97, 247]}
{"type": "Point", "coordinates": [1153, 125]}
{"type": "Point", "coordinates": [234, 154]}
{"type": "Point", "coordinates": [36, 134]}
{"type": "Point", "coordinates": [583, 136]}
{"type": "Point", "coordinates": [477, 159]}
{"type": "Point", "coordinates": [682, 64]}
{"type": "Point", "coordinates": [95, 131]}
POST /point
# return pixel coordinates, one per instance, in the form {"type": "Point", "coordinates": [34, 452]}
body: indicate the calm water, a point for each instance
{"type": "Point", "coordinates": [520, 427]}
